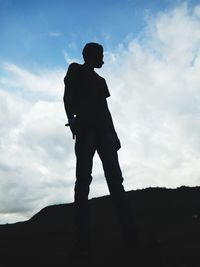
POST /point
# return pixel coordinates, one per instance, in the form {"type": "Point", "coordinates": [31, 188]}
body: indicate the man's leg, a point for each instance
{"type": "Point", "coordinates": [113, 174]}
{"type": "Point", "coordinates": [84, 149]}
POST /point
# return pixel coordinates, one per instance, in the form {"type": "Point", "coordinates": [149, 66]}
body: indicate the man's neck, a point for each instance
{"type": "Point", "coordinates": [88, 66]}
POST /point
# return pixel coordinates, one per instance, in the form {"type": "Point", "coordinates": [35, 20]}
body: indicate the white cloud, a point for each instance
{"type": "Point", "coordinates": [36, 161]}
{"type": "Point", "coordinates": [197, 10]}
{"type": "Point", "coordinates": [55, 34]}
{"type": "Point", "coordinates": [69, 59]}
{"type": "Point", "coordinates": [44, 83]}
{"type": "Point", "coordinates": [155, 85]}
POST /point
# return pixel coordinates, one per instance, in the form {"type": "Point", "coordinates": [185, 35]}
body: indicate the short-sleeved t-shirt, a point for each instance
{"type": "Point", "coordinates": [88, 92]}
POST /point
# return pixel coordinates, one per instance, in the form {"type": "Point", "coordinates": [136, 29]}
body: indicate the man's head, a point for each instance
{"type": "Point", "coordinates": [93, 55]}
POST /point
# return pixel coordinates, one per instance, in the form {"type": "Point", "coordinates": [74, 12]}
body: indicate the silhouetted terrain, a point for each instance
{"type": "Point", "coordinates": [171, 215]}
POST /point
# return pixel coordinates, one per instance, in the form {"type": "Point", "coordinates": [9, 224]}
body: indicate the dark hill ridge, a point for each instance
{"type": "Point", "coordinates": [171, 215]}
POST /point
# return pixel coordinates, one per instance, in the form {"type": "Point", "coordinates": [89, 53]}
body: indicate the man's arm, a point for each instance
{"type": "Point", "coordinates": [68, 93]}
{"type": "Point", "coordinates": [69, 82]}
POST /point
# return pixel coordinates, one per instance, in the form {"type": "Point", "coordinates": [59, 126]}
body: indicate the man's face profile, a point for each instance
{"type": "Point", "coordinates": [98, 59]}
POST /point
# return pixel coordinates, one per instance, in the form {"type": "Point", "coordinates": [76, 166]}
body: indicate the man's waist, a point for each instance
{"type": "Point", "coordinates": [93, 122]}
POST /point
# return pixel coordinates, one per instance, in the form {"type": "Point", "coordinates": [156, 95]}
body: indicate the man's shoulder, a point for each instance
{"type": "Point", "coordinates": [74, 69]}
{"type": "Point", "coordinates": [74, 66]}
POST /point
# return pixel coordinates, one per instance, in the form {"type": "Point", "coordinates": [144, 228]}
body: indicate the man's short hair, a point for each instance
{"type": "Point", "coordinates": [90, 50]}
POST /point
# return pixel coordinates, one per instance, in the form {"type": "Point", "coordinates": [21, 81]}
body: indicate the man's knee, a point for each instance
{"type": "Point", "coordinates": [115, 184]}
{"type": "Point", "coordinates": [114, 175]}
{"type": "Point", "coordinates": [82, 185]}
{"type": "Point", "coordinates": [83, 180]}
{"type": "Point", "coordinates": [83, 171]}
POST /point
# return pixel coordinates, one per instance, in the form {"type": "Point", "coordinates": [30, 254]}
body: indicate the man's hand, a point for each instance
{"type": "Point", "coordinates": [116, 141]}
{"type": "Point", "coordinates": [72, 125]}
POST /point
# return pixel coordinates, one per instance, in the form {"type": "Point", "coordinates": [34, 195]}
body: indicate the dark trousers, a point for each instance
{"type": "Point", "coordinates": [87, 143]}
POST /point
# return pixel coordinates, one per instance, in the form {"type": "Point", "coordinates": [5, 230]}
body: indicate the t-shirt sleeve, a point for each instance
{"type": "Point", "coordinates": [106, 91]}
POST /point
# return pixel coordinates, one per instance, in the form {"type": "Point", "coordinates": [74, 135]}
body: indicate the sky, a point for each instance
{"type": "Point", "coordinates": [152, 68]}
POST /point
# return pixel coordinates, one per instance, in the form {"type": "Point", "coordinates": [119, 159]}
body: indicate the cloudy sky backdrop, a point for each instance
{"type": "Point", "coordinates": [152, 67]}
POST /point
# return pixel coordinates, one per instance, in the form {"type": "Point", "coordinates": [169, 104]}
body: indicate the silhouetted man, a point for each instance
{"type": "Point", "coordinates": [92, 127]}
